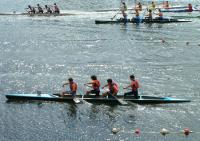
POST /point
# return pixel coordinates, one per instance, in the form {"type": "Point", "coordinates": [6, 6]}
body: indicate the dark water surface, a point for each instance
{"type": "Point", "coordinates": [40, 53]}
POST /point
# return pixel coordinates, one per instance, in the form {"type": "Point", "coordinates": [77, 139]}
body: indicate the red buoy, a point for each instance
{"type": "Point", "coordinates": [186, 131]}
{"type": "Point", "coordinates": [137, 131]}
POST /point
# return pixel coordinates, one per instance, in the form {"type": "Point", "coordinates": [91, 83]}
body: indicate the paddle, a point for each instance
{"type": "Point", "coordinates": [115, 15]}
{"type": "Point", "coordinates": [84, 101]}
{"type": "Point", "coordinates": [107, 10]}
{"type": "Point", "coordinates": [143, 15]}
{"type": "Point", "coordinates": [122, 102]}
{"type": "Point", "coordinates": [75, 99]}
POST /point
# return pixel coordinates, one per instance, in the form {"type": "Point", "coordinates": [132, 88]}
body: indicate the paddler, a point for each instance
{"type": "Point", "coordinates": [95, 84]}
{"type": "Point", "coordinates": [139, 6]}
{"type": "Point", "coordinates": [152, 6]}
{"type": "Point", "coordinates": [72, 87]}
{"type": "Point", "coordinates": [123, 9]}
{"type": "Point", "coordinates": [190, 9]}
{"type": "Point", "coordinates": [137, 16]}
{"type": "Point", "coordinates": [56, 9]}
{"type": "Point", "coordinates": [48, 9]}
{"type": "Point", "coordinates": [112, 87]}
{"type": "Point", "coordinates": [31, 10]}
{"type": "Point", "coordinates": [149, 15]}
{"type": "Point", "coordinates": [40, 10]}
{"type": "Point", "coordinates": [166, 4]}
{"type": "Point", "coordinates": [134, 85]}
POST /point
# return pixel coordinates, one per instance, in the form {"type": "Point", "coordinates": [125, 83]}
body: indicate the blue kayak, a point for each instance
{"type": "Point", "coordinates": [94, 99]}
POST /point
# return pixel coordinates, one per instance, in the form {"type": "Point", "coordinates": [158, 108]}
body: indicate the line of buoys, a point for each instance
{"type": "Point", "coordinates": [187, 43]}
{"type": "Point", "coordinates": [163, 131]}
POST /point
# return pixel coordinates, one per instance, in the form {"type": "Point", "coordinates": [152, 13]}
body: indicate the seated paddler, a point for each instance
{"type": "Point", "coordinates": [112, 89]}
{"type": "Point", "coordinates": [95, 85]}
{"type": "Point", "coordinates": [190, 9]}
{"type": "Point", "coordinates": [72, 88]}
{"type": "Point", "coordinates": [31, 10]}
{"type": "Point", "coordinates": [149, 16]}
{"type": "Point", "coordinates": [40, 10]}
{"type": "Point", "coordinates": [134, 85]}
{"type": "Point", "coordinates": [137, 16]}
{"type": "Point", "coordinates": [48, 9]}
{"type": "Point", "coordinates": [123, 9]}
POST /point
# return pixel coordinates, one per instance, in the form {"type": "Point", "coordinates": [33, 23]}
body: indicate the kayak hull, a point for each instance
{"type": "Point", "coordinates": [177, 10]}
{"type": "Point", "coordinates": [94, 99]}
{"type": "Point", "coordinates": [118, 21]}
{"type": "Point", "coordinates": [37, 14]}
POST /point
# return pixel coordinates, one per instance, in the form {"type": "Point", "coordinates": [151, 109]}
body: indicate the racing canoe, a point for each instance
{"type": "Point", "coordinates": [165, 20]}
{"type": "Point", "coordinates": [37, 14]}
{"type": "Point", "coordinates": [94, 99]}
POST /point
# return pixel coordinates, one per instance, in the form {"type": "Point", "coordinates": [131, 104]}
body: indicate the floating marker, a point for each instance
{"type": "Point", "coordinates": [163, 41]}
{"type": "Point", "coordinates": [115, 130]}
{"type": "Point", "coordinates": [164, 131]}
{"type": "Point", "coordinates": [187, 43]}
{"type": "Point", "coordinates": [137, 131]}
{"type": "Point", "coordinates": [186, 131]}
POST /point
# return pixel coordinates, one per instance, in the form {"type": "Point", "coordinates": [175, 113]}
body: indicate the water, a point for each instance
{"type": "Point", "coordinates": [40, 53]}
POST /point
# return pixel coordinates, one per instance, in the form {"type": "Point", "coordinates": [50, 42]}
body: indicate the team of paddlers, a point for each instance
{"type": "Point", "coordinates": [149, 9]}
{"type": "Point", "coordinates": [112, 86]}
{"type": "Point", "coordinates": [47, 9]}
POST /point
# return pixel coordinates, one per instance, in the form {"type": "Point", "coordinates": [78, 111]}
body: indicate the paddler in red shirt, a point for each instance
{"type": "Point", "coordinates": [190, 9]}
{"type": "Point", "coordinates": [95, 84]}
{"type": "Point", "coordinates": [166, 4]}
{"type": "Point", "coordinates": [72, 87]}
{"type": "Point", "coordinates": [112, 87]}
{"type": "Point", "coordinates": [134, 85]}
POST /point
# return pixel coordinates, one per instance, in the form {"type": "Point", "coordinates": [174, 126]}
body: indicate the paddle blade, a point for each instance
{"type": "Point", "coordinates": [76, 100]}
{"type": "Point", "coordinates": [122, 102]}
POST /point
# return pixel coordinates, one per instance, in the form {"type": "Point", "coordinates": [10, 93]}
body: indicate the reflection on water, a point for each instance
{"type": "Point", "coordinates": [72, 109]}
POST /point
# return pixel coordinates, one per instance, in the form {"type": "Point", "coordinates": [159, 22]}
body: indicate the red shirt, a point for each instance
{"type": "Point", "coordinates": [96, 84]}
{"type": "Point", "coordinates": [190, 8]}
{"type": "Point", "coordinates": [73, 86]}
{"type": "Point", "coordinates": [113, 87]}
{"type": "Point", "coordinates": [134, 85]}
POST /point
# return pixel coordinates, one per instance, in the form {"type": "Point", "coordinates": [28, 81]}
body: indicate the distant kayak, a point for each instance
{"type": "Point", "coordinates": [37, 14]}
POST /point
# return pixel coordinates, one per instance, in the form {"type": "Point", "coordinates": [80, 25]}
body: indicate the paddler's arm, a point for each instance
{"type": "Point", "coordinates": [88, 84]}
{"type": "Point", "coordinates": [104, 86]}
{"type": "Point", "coordinates": [65, 84]}
{"type": "Point", "coordinates": [127, 87]}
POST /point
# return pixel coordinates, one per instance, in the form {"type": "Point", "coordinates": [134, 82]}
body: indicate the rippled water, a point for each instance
{"type": "Point", "coordinates": [40, 53]}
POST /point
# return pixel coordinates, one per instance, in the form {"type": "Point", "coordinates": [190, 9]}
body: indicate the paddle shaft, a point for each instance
{"type": "Point", "coordinates": [115, 15]}
{"type": "Point", "coordinates": [119, 100]}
